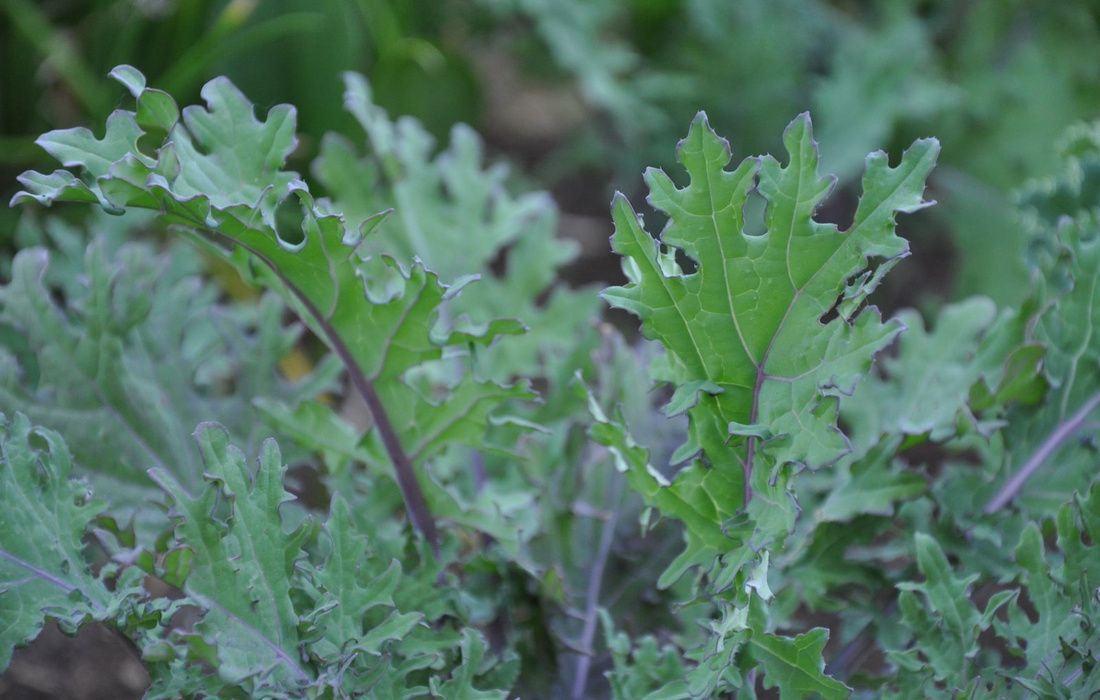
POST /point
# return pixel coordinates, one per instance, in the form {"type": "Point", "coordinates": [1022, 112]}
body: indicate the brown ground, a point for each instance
{"type": "Point", "coordinates": [97, 664]}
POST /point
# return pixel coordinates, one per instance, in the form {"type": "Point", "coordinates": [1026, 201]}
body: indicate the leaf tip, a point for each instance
{"type": "Point", "coordinates": [802, 123]}
{"type": "Point", "coordinates": [210, 430]}
{"type": "Point", "coordinates": [130, 77]}
{"type": "Point", "coordinates": [929, 142]}
{"type": "Point", "coordinates": [701, 119]}
{"type": "Point", "coordinates": [374, 221]}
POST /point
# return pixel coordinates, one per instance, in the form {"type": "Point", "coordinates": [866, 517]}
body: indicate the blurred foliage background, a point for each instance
{"type": "Point", "coordinates": [582, 94]}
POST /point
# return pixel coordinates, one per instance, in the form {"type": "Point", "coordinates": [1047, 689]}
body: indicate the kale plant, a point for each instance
{"type": "Point", "coordinates": [470, 479]}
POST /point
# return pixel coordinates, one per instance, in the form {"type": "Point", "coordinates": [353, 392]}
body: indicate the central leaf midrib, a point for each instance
{"type": "Point", "coordinates": [725, 270]}
{"type": "Point", "coordinates": [277, 601]}
{"type": "Point", "coordinates": [846, 239]}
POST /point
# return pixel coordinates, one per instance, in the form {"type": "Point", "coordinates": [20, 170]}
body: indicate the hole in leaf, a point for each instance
{"type": "Point", "coordinates": [1026, 604]}
{"type": "Point", "coordinates": [289, 218]}
{"type": "Point", "coordinates": [306, 483]}
{"type": "Point", "coordinates": [753, 214]}
{"type": "Point", "coordinates": [839, 207]}
{"type": "Point", "coordinates": [498, 265]}
{"type": "Point", "coordinates": [832, 314]}
{"type": "Point", "coordinates": [687, 264]}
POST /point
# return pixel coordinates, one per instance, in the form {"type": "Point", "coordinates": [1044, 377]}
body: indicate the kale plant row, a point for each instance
{"type": "Point", "coordinates": [465, 487]}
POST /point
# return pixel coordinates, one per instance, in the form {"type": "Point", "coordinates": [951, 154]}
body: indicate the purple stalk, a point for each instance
{"type": "Point", "coordinates": [592, 595]}
{"type": "Point", "coordinates": [1041, 455]}
{"type": "Point", "coordinates": [415, 504]}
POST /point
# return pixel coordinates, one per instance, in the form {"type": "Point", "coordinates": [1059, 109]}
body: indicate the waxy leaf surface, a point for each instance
{"type": "Point", "coordinates": [43, 517]}
{"type": "Point", "coordinates": [769, 329]}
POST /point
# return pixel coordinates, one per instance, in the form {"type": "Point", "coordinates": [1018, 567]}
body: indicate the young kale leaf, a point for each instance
{"type": "Point", "coordinates": [239, 570]}
{"type": "Point", "coordinates": [769, 330]}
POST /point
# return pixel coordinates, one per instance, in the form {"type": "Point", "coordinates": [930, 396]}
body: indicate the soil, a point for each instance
{"type": "Point", "coordinates": [96, 664]}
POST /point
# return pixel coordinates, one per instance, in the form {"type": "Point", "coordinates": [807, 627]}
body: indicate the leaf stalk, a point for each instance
{"type": "Point", "coordinates": [1042, 454]}
{"type": "Point", "coordinates": [415, 503]}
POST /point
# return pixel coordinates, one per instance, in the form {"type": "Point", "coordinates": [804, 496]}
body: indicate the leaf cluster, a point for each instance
{"type": "Point", "coordinates": [780, 489]}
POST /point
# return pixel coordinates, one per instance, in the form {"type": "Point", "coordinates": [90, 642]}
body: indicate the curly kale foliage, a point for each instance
{"type": "Point", "coordinates": [1062, 216]}
{"type": "Point", "coordinates": [1049, 644]}
{"type": "Point", "coordinates": [124, 350]}
{"type": "Point", "coordinates": [817, 527]}
{"type": "Point", "coordinates": [737, 633]}
{"type": "Point", "coordinates": [218, 174]}
{"type": "Point", "coordinates": [45, 513]}
{"type": "Point", "coordinates": [285, 610]}
{"type": "Point", "coordinates": [458, 216]}
{"type": "Point", "coordinates": [996, 603]}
